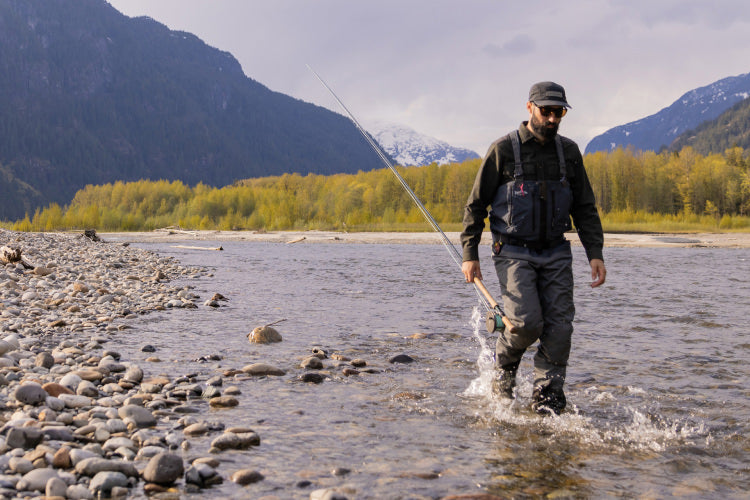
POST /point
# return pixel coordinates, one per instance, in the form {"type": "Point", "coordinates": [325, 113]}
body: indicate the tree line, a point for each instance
{"type": "Point", "coordinates": [630, 186]}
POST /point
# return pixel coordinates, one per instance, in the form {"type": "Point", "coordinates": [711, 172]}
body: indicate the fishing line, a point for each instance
{"type": "Point", "coordinates": [457, 258]}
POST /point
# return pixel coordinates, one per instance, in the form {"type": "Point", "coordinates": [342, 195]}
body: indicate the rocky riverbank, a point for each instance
{"type": "Point", "coordinates": [77, 420]}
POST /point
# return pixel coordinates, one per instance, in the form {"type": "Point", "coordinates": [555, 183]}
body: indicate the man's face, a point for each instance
{"type": "Point", "coordinates": [545, 120]}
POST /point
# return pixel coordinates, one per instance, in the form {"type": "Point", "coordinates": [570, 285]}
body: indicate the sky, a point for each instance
{"type": "Point", "coordinates": [460, 70]}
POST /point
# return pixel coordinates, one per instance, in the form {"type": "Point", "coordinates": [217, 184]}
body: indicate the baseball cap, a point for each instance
{"type": "Point", "coordinates": [548, 94]}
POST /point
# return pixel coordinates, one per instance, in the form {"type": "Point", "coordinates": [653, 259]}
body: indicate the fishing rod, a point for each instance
{"type": "Point", "coordinates": [496, 318]}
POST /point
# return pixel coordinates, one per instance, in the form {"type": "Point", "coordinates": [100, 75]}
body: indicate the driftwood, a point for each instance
{"type": "Point", "coordinates": [190, 247]}
{"type": "Point", "coordinates": [91, 234]}
{"type": "Point", "coordinates": [9, 255]}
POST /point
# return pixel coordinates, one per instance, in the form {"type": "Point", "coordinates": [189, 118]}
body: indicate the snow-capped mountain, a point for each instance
{"type": "Point", "coordinates": [693, 108]}
{"type": "Point", "coordinates": [408, 147]}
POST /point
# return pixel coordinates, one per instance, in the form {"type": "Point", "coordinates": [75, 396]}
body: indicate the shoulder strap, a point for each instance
{"type": "Point", "coordinates": [560, 157]}
{"type": "Point", "coordinates": [515, 139]}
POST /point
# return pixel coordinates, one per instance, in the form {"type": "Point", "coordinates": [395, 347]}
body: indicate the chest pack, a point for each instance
{"type": "Point", "coordinates": [534, 212]}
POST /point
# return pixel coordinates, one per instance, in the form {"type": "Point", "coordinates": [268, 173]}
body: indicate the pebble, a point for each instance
{"type": "Point", "coordinates": [264, 335]}
{"type": "Point", "coordinates": [164, 468]}
{"type": "Point", "coordinates": [262, 369]}
{"type": "Point", "coordinates": [246, 476]}
{"type": "Point", "coordinates": [401, 358]}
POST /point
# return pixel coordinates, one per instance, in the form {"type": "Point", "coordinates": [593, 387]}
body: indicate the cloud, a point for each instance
{"type": "Point", "coordinates": [519, 45]}
{"type": "Point", "coordinates": [460, 71]}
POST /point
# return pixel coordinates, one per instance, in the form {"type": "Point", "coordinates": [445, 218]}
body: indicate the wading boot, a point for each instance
{"type": "Point", "coordinates": [547, 401]}
{"type": "Point", "coordinates": [503, 385]}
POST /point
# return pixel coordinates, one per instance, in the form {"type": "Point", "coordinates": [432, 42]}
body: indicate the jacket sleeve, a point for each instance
{"type": "Point", "coordinates": [482, 193]}
{"type": "Point", "coordinates": [584, 211]}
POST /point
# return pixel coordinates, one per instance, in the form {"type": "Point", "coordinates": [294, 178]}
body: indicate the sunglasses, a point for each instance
{"type": "Point", "coordinates": [546, 111]}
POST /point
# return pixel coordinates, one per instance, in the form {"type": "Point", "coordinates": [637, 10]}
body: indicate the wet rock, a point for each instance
{"type": "Point", "coordinates": [211, 392]}
{"type": "Point", "coordinates": [164, 468]}
{"type": "Point", "coordinates": [312, 363]}
{"type": "Point", "coordinates": [223, 402]}
{"type": "Point", "coordinates": [358, 363]}
{"type": "Point", "coordinates": [401, 358]}
{"type": "Point", "coordinates": [319, 352]}
{"type": "Point", "coordinates": [264, 335]}
{"type": "Point", "coordinates": [197, 429]}
{"type": "Point", "coordinates": [327, 494]}
{"type": "Point", "coordinates": [235, 441]}
{"type": "Point", "coordinates": [312, 377]}
{"type": "Point", "coordinates": [246, 476]}
{"type": "Point", "coordinates": [202, 475]}
{"type": "Point", "coordinates": [262, 369]}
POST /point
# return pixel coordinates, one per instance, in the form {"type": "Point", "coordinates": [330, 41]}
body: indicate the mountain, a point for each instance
{"type": "Point", "coordinates": [730, 129]}
{"type": "Point", "coordinates": [661, 129]}
{"type": "Point", "coordinates": [410, 148]}
{"type": "Point", "coordinates": [90, 96]}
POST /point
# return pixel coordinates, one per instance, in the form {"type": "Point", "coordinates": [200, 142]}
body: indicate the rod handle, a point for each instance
{"type": "Point", "coordinates": [478, 283]}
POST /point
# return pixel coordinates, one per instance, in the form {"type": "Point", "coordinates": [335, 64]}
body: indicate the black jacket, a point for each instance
{"type": "Point", "coordinates": [497, 169]}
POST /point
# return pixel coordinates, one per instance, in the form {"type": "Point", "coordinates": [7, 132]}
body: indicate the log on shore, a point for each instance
{"type": "Point", "coordinates": [9, 255]}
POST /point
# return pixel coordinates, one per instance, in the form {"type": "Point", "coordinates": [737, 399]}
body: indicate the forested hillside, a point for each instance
{"type": "Point", "coordinates": [90, 96]}
{"type": "Point", "coordinates": [730, 129]}
{"type": "Point", "coordinates": [630, 187]}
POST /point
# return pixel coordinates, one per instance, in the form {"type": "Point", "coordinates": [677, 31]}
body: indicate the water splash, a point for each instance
{"type": "Point", "coordinates": [606, 421]}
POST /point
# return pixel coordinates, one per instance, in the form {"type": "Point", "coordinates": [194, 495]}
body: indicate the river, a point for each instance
{"type": "Point", "coordinates": [657, 381]}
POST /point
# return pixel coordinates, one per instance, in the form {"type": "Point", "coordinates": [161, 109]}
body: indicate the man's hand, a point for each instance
{"type": "Point", "coordinates": [598, 272]}
{"type": "Point", "coordinates": [471, 270]}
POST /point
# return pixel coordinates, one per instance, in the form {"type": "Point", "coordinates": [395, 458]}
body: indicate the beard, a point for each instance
{"type": "Point", "coordinates": [543, 128]}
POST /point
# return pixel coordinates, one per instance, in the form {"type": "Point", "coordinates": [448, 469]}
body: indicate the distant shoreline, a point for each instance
{"type": "Point", "coordinates": [654, 240]}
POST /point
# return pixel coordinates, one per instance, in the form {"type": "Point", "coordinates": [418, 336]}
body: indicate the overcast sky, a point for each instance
{"type": "Point", "coordinates": [460, 70]}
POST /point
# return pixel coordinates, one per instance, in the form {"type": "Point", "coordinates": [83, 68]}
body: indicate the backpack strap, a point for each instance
{"type": "Point", "coordinates": [560, 157]}
{"type": "Point", "coordinates": [515, 139]}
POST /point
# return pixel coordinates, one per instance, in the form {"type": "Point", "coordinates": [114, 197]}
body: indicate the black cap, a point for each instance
{"type": "Point", "coordinates": [548, 94]}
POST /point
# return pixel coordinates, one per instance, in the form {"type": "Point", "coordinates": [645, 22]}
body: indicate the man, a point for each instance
{"type": "Point", "coordinates": [533, 180]}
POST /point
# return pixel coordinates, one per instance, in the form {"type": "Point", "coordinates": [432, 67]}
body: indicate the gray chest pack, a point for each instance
{"type": "Point", "coordinates": [533, 213]}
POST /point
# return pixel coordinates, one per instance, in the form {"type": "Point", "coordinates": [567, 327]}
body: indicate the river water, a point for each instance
{"type": "Point", "coordinates": [657, 382]}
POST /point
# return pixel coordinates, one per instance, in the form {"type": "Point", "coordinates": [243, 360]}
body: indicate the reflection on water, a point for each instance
{"type": "Point", "coordinates": [656, 386]}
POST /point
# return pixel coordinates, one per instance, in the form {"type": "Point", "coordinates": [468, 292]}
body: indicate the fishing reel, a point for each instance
{"type": "Point", "coordinates": [495, 320]}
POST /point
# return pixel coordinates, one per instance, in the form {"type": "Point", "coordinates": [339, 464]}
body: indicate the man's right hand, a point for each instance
{"type": "Point", "coordinates": [471, 270]}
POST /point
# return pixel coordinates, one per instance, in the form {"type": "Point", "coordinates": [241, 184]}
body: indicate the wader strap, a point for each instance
{"type": "Point", "coordinates": [560, 157]}
{"type": "Point", "coordinates": [515, 140]}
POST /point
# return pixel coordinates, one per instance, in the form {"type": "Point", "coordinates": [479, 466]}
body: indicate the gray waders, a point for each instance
{"type": "Point", "coordinates": [537, 290]}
